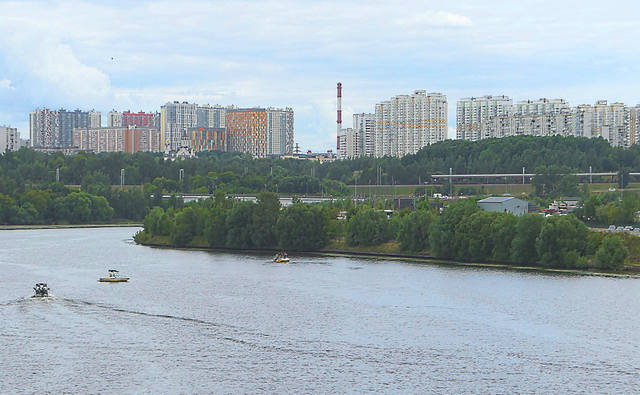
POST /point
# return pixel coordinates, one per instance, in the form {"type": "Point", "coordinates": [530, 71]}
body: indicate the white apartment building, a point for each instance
{"type": "Point", "coordinates": [342, 144]}
{"type": "Point", "coordinates": [176, 118]}
{"type": "Point", "coordinates": [472, 112]}
{"type": "Point", "coordinates": [406, 123]}
{"type": "Point", "coordinates": [211, 116]}
{"type": "Point", "coordinates": [279, 131]}
{"type": "Point", "coordinates": [114, 119]}
{"type": "Point", "coordinates": [541, 106]}
{"type": "Point", "coordinates": [9, 139]}
{"type": "Point", "coordinates": [365, 126]}
{"type": "Point", "coordinates": [480, 118]}
{"type": "Point", "coordinates": [634, 125]}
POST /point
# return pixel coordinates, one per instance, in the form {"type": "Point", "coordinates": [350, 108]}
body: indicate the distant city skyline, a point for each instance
{"type": "Point", "coordinates": [138, 56]}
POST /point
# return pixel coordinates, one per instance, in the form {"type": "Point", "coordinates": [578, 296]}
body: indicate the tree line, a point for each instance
{"type": "Point", "coordinates": [461, 232]}
{"type": "Point", "coordinates": [29, 178]}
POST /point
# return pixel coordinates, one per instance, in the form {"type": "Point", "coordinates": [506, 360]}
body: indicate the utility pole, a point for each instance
{"type": "Point", "coordinates": [180, 174]}
{"type": "Point", "coordinates": [451, 182]}
{"type": "Point", "coordinates": [523, 175]}
{"type": "Point", "coordinates": [57, 174]}
{"type": "Point", "coordinates": [590, 176]}
{"type": "Point", "coordinates": [121, 178]}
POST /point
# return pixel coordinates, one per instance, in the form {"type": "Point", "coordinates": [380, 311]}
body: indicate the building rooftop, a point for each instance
{"type": "Point", "coordinates": [496, 199]}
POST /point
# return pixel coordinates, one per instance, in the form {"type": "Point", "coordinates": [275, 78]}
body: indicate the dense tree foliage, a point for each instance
{"type": "Point", "coordinates": [368, 227]}
{"type": "Point", "coordinates": [302, 227]}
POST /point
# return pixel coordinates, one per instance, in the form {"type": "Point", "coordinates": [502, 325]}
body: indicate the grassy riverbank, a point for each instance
{"type": "Point", "coordinates": [391, 251]}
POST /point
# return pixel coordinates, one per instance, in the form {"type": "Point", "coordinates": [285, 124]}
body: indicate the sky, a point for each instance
{"type": "Point", "coordinates": [138, 55]}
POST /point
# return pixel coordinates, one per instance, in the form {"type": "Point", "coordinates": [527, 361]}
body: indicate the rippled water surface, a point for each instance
{"type": "Point", "coordinates": [200, 322]}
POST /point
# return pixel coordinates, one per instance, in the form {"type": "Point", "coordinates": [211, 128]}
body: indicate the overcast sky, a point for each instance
{"type": "Point", "coordinates": [138, 55]}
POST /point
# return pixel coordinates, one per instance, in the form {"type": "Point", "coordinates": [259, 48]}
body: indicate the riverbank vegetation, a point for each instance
{"type": "Point", "coordinates": [30, 194]}
{"type": "Point", "coordinates": [460, 232]}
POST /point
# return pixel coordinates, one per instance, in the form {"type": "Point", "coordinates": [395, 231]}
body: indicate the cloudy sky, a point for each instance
{"type": "Point", "coordinates": [138, 55]}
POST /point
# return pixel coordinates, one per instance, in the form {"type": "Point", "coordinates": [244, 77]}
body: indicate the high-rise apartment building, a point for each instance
{"type": "Point", "coordinates": [9, 139]}
{"type": "Point", "coordinates": [207, 139]}
{"type": "Point", "coordinates": [175, 119]}
{"type": "Point", "coordinates": [541, 106]}
{"type": "Point", "coordinates": [473, 112]}
{"type": "Point", "coordinates": [211, 117]}
{"type": "Point", "coordinates": [49, 129]}
{"type": "Point", "coordinates": [141, 119]}
{"type": "Point", "coordinates": [123, 139]}
{"type": "Point", "coordinates": [634, 125]}
{"type": "Point", "coordinates": [406, 123]}
{"type": "Point", "coordinates": [247, 130]}
{"type": "Point", "coordinates": [114, 119]}
{"type": "Point", "coordinates": [260, 131]}
{"type": "Point", "coordinates": [365, 126]}
{"type": "Point", "coordinates": [615, 122]}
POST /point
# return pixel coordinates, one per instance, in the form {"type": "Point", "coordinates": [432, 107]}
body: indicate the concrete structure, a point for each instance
{"type": "Point", "coordinates": [339, 134]}
{"type": "Point", "coordinates": [472, 112]}
{"type": "Point", "coordinates": [9, 139]}
{"type": "Point", "coordinates": [207, 139]}
{"type": "Point", "coordinates": [49, 129]}
{"type": "Point", "coordinates": [260, 131]}
{"type": "Point", "coordinates": [505, 204]}
{"type": "Point", "coordinates": [406, 123]}
{"type": "Point", "coordinates": [211, 117]}
{"type": "Point", "coordinates": [108, 139]}
{"type": "Point", "coordinates": [175, 119]}
{"type": "Point", "coordinates": [489, 117]}
{"type": "Point", "coordinates": [141, 119]}
{"type": "Point", "coordinates": [364, 126]}
{"type": "Point", "coordinates": [114, 119]}
{"type": "Point", "coordinates": [247, 130]}
{"type": "Point", "coordinates": [541, 106]}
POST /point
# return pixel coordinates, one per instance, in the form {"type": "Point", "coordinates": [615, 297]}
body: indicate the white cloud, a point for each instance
{"type": "Point", "coordinates": [291, 53]}
{"type": "Point", "coordinates": [6, 84]}
{"type": "Point", "coordinates": [434, 18]}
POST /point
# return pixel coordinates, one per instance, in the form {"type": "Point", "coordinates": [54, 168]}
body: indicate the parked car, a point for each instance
{"type": "Point", "coordinates": [612, 228]}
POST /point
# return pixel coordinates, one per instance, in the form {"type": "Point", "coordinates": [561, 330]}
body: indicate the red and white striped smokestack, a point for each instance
{"type": "Point", "coordinates": [339, 114]}
{"type": "Point", "coordinates": [339, 105]}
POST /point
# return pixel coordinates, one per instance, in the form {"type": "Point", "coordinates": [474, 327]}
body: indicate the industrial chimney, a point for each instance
{"type": "Point", "coordinates": [339, 120]}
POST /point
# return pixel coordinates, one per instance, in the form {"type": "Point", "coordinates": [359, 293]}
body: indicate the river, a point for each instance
{"type": "Point", "coordinates": [203, 322]}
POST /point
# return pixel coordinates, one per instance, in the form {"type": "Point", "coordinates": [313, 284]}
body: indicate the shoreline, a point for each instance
{"type": "Point", "coordinates": [421, 259]}
{"type": "Point", "coordinates": [71, 226]}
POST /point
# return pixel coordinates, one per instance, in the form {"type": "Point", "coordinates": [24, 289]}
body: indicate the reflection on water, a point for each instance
{"type": "Point", "coordinates": [193, 321]}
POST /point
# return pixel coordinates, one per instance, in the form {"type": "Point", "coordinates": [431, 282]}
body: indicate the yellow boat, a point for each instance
{"type": "Point", "coordinates": [114, 277]}
{"type": "Point", "coordinates": [281, 260]}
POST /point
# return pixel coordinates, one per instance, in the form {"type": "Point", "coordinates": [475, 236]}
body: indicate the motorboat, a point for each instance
{"type": "Point", "coordinates": [281, 258]}
{"type": "Point", "coordinates": [114, 277]}
{"type": "Point", "coordinates": [41, 290]}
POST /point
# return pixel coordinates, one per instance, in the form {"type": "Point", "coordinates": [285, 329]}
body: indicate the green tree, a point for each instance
{"type": "Point", "coordinates": [151, 222]}
{"type": "Point", "coordinates": [265, 215]}
{"type": "Point", "coordinates": [215, 229]}
{"type": "Point", "coordinates": [187, 225]}
{"type": "Point", "coordinates": [302, 227]}
{"type": "Point", "coordinates": [523, 245]}
{"type": "Point", "coordinates": [238, 225]}
{"type": "Point", "coordinates": [368, 227]}
{"type": "Point", "coordinates": [442, 232]}
{"type": "Point", "coordinates": [414, 232]}
{"type": "Point", "coordinates": [611, 254]}
{"type": "Point", "coordinates": [561, 241]}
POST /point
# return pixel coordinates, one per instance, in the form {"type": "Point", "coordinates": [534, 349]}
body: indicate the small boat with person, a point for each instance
{"type": "Point", "coordinates": [114, 277]}
{"type": "Point", "coordinates": [281, 257]}
{"type": "Point", "coordinates": [41, 290]}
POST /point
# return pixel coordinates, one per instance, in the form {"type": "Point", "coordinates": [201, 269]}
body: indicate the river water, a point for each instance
{"type": "Point", "coordinates": [201, 322]}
